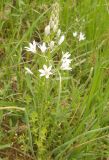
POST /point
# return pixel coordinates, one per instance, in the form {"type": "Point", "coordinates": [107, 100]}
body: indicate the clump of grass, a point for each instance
{"type": "Point", "coordinates": [54, 95]}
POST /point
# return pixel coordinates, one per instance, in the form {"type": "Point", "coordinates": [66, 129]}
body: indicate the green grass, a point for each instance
{"type": "Point", "coordinates": [65, 117]}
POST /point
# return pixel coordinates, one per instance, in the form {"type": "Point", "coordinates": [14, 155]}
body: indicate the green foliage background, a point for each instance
{"type": "Point", "coordinates": [63, 120]}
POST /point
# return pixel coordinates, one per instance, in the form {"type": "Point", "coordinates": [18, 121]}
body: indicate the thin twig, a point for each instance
{"type": "Point", "coordinates": [12, 107]}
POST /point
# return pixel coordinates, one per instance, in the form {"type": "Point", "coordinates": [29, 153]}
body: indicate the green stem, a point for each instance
{"type": "Point", "coordinates": [60, 89]}
{"type": "Point", "coordinates": [29, 133]}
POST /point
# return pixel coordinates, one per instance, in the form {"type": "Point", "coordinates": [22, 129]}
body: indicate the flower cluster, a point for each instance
{"type": "Point", "coordinates": [44, 46]}
{"type": "Point", "coordinates": [53, 38]}
{"type": "Point", "coordinates": [54, 19]}
{"type": "Point", "coordinates": [80, 36]}
{"type": "Point", "coordinates": [46, 71]}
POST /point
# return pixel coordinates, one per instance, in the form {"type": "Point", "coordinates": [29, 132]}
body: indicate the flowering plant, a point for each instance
{"type": "Point", "coordinates": [53, 39]}
{"type": "Point", "coordinates": [49, 48]}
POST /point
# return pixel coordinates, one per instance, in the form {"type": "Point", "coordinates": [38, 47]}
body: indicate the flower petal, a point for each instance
{"type": "Point", "coordinates": [42, 71]}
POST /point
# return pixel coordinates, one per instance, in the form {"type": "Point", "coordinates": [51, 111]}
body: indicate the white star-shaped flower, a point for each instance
{"type": "Point", "coordinates": [46, 71]}
{"type": "Point", "coordinates": [82, 36]}
{"type": "Point", "coordinates": [66, 55]}
{"type": "Point", "coordinates": [66, 61]}
{"type": "Point", "coordinates": [32, 47]}
{"type": "Point", "coordinates": [28, 71]}
{"type": "Point", "coordinates": [66, 65]}
{"type": "Point", "coordinates": [43, 47]}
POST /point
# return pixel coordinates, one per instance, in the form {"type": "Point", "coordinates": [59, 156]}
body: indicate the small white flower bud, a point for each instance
{"type": "Point", "coordinates": [51, 23]}
{"type": "Point", "coordinates": [28, 71]}
{"type": "Point", "coordinates": [51, 44]}
{"type": "Point", "coordinates": [58, 32]}
{"type": "Point", "coordinates": [75, 34]}
{"type": "Point", "coordinates": [55, 28]}
{"type": "Point", "coordinates": [61, 40]}
{"type": "Point", "coordinates": [47, 30]}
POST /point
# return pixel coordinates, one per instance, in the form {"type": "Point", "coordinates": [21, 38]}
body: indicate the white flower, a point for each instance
{"type": "Point", "coordinates": [75, 34]}
{"type": "Point", "coordinates": [32, 47]}
{"type": "Point", "coordinates": [28, 71]}
{"type": "Point", "coordinates": [47, 30]}
{"type": "Point", "coordinates": [42, 47]}
{"type": "Point", "coordinates": [61, 40]}
{"type": "Point", "coordinates": [66, 61]}
{"type": "Point", "coordinates": [65, 66]}
{"type": "Point", "coordinates": [66, 55]}
{"type": "Point", "coordinates": [51, 45]}
{"type": "Point", "coordinates": [58, 32]}
{"type": "Point", "coordinates": [45, 71]}
{"type": "Point", "coordinates": [82, 36]}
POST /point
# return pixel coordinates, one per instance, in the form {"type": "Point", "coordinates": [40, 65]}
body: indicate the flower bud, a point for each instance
{"type": "Point", "coordinates": [47, 30]}
{"type": "Point", "coordinates": [58, 32]}
{"type": "Point", "coordinates": [61, 40]}
{"type": "Point", "coordinates": [51, 44]}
